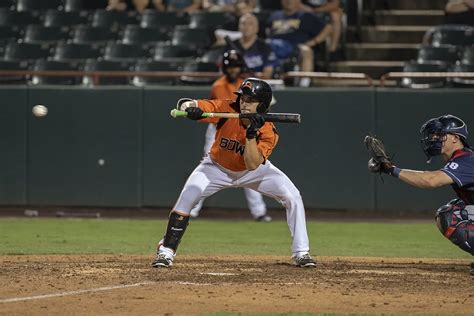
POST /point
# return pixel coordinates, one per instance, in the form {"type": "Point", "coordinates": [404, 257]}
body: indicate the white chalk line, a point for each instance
{"type": "Point", "coordinates": [69, 293]}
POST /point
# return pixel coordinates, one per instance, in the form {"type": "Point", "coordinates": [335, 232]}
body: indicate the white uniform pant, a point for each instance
{"type": "Point", "coordinates": [255, 201]}
{"type": "Point", "coordinates": [209, 178]}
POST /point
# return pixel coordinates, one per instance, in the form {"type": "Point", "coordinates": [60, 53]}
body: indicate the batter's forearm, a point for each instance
{"type": "Point", "coordinates": [252, 156]}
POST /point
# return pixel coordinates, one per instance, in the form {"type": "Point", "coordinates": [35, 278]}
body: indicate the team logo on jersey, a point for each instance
{"type": "Point", "coordinates": [453, 165]}
{"type": "Point", "coordinates": [232, 145]}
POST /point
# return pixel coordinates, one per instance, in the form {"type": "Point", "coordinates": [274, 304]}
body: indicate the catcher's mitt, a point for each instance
{"type": "Point", "coordinates": [379, 161]}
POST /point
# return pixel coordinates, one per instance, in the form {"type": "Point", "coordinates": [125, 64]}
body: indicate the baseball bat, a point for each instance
{"type": "Point", "coordinates": [269, 117]}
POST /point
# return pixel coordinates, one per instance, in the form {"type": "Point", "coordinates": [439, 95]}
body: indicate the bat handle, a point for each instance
{"type": "Point", "coordinates": [177, 113]}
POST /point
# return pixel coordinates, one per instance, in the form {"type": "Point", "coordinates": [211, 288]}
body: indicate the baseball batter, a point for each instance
{"type": "Point", "coordinates": [446, 136]}
{"type": "Point", "coordinates": [233, 67]}
{"type": "Point", "coordinates": [238, 158]}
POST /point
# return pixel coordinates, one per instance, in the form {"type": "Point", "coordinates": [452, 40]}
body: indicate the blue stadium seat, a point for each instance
{"type": "Point", "coordinates": [7, 4]}
{"type": "Point", "coordinates": [194, 37]}
{"type": "Point", "coordinates": [55, 65]}
{"type": "Point", "coordinates": [211, 20]}
{"type": "Point", "coordinates": [38, 5]}
{"type": "Point", "coordinates": [193, 66]}
{"type": "Point", "coordinates": [459, 35]}
{"type": "Point", "coordinates": [213, 55]}
{"type": "Point", "coordinates": [424, 83]}
{"type": "Point", "coordinates": [7, 33]}
{"type": "Point", "coordinates": [73, 5]}
{"type": "Point", "coordinates": [468, 56]}
{"type": "Point", "coordinates": [163, 20]}
{"type": "Point", "coordinates": [113, 19]}
{"type": "Point", "coordinates": [462, 82]}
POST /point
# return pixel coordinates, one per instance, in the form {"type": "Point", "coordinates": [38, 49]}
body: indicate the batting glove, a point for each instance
{"type": "Point", "coordinates": [256, 121]}
{"type": "Point", "coordinates": [194, 113]}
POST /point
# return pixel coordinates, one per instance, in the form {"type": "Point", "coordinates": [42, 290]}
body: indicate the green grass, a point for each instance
{"type": "Point", "coordinates": [69, 236]}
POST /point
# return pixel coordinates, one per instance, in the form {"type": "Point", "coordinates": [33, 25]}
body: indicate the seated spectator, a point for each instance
{"type": "Point", "coordinates": [218, 5]}
{"type": "Point", "coordinates": [137, 5]}
{"type": "Point", "coordinates": [230, 29]}
{"type": "Point", "coordinates": [333, 8]}
{"type": "Point", "coordinates": [460, 12]}
{"type": "Point", "coordinates": [183, 6]}
{"type": "Point", "coordinates": [293, 31]}
{"type": "Point", "coordinates": [258, 56]}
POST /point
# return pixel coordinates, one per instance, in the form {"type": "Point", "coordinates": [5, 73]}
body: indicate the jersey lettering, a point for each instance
{"type": "Point", "coordinates": [232, 145]}
{"type": "Point", "coordinates": [453, 165]}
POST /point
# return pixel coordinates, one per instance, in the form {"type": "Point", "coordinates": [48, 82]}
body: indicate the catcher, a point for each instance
{"type": "Point", "coordinates": [238, 158]}
{"type": "Point", "coordinates": [446, 136]}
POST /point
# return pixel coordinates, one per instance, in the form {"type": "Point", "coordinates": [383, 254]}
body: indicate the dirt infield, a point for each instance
{"type": "Point", "coordinates": [127, 285]}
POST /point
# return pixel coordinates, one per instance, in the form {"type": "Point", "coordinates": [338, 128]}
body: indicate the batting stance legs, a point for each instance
{"type": "Point", "coordinates": [209, 178]}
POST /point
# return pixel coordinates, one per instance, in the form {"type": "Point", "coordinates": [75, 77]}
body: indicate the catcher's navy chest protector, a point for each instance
{"type": "Point", "coordinates": [455, 221]}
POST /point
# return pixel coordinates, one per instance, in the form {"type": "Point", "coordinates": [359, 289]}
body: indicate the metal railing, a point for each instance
{"type": "Point", "coordinates": [401, 75]}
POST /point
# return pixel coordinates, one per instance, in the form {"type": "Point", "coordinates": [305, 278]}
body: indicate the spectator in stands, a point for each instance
{"type": "Point", "coordinates": [258, 55]}
{"type": "Point", "coordinates": [460, 12]}
{"type": "Point", "coordinates": [183, 6]}
{"type": "Point", "coordinates": [244, 6]}
{"type": "Point", "coordinates": [293, 31]}
{"type": "Point", "coordinates": [137, 5]}
{"type": "Point", "coordinates": [333, 8]}
{"type": "Point", "coordinates": [218, 5]}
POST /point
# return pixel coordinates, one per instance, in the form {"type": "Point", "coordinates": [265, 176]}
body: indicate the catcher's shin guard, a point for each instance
{"type": "Point", "coordinates": [456, 222]}
{"type": "Point", "coordinates": [177, 224]}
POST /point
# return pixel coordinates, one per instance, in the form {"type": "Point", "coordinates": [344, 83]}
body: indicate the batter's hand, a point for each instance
{"type": "Point", "coordinates": [194, 113]}
{"type": "Point", "coordinates": [256, 121]}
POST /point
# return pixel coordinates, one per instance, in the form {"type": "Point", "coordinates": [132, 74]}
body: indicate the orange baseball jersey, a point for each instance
{"type": "Point", "coordinates": [223, 89]}
{"type": "Point", "coordinates": [229, 144]}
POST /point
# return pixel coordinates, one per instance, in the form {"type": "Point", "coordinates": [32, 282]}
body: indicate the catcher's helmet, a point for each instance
{"type": "Point", "coordinates": [230, 59]}
{"type": "Point", "coordinates": [434, 131]}
{"type": "Point", "coordinates": [258, 89]}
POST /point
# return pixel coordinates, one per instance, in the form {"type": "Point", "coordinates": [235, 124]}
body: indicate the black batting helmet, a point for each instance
{"type": "Point", "coordinates": [433, 133]}
{"type": "Point", "coordinates": [259, 90]}
{"type": "Point", "coordinates": [232, 58]}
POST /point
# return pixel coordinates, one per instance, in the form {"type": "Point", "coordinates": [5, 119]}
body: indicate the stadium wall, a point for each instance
{"type": "Point", "coordinates": [118, 146]}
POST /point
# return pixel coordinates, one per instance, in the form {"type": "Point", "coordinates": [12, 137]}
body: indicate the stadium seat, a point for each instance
{"type": "Point", "coordinates": [125, 52]}
{"type": "Point", "coordinates": [7, 4]}
{"type": "Point", "coordinates": [163, 20]}
{"type": "Point", "coordinates": [106, 65]}
{"type": "Point", "coordinates": [55, 65]}
{"type": "Point", "coordinates": [146, 65]}
{"type": "Point", "coordinates": [113, 19]}
{"type": "Point", "coordinates": [468, 56]}
{"type": "Point", "coordinates": [74, 51]}
{"type": "Point", "coordinates": [14, 18]}
{"type": "Point", "coordinates": [134, 34]}
{"type": "Point", "coordinates": [13, 65]}
{"type": "Point", "coordinates": [195, 37]}
{"type": "Point", "coordinates": [446, 53]}
{"type": "Point", "coordinates": [8, 33]}
{"type": "Point", "coordinates": [193, 66]}
{"type": "Point", "coordinates": [459, 35]}
{"type": "Point", "coordinates": [91, 34]}
{"type": "Point", "coordinates": [73, 5]}
{"type": "Point", "coordinates": [212, 20]}
{"type": "Point", "coordinates": [26, 51]}
{"type": "Point", "coordinates": [169, 51]}
{"type": "Point", "coordinates": [213, 55]}
{"type": "Point", "coordinates": [45, 34]}
{"type": "Point", "coordinates": [37, 5]}
{"type": "Point", "coordinates": [424, 83]}
{"type": "Point", "coordinates": [270, 5]}
{"type": "Point", "coordinates": [63, 18]}
{"type": "Point", "coordinates": [462, 82]}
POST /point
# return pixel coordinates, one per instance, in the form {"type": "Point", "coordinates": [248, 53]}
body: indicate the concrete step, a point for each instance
{"type": "Point", "coordinates": [374, 68]}
{"type": "Point", "coordinates": [406, 4]}
{"type": "Point", "coordinates": [403, 17]}
{"type": "Point", "coordinates": [387, 34]}
{"type": "Point", "coordinates": [392, 52]}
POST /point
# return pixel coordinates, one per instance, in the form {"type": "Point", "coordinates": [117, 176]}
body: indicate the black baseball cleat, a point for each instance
{"type": "Point", "coordinates": [305, 261]}
{"type": "Point", "coordinates": [472, 269]}
{"type": "Point", "coordinates": [264, 218]}
{"type": "Point", "coordinates": [162, 261]}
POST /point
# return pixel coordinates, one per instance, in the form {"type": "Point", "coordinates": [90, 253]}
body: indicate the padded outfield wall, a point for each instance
{"type": "Point", "coordinates": [118, 146]}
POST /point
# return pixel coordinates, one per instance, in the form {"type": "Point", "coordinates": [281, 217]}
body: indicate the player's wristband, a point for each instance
{"type": "Point", "coordinates": [395, 172]}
